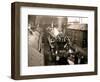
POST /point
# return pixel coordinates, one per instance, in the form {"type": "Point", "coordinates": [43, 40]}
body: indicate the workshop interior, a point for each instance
{"type": "Point", "coordinates": [57, 40]}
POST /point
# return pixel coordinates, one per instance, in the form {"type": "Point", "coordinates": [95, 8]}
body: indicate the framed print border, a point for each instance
{"type": "Point", "coordinates": [16, 35]}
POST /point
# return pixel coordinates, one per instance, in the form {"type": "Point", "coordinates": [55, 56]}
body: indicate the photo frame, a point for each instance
{"type": "Point", "coordinates": [53, 40]}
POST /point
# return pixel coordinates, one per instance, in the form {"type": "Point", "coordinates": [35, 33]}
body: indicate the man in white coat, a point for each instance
{"type": "Point", "coordinates": [35, 53]}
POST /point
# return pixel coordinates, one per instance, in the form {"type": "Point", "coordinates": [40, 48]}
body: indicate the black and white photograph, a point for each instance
{"type": "Point", "coordinates": [57, 40]}
{"type": "Point", "coordinates": [50, 40]}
